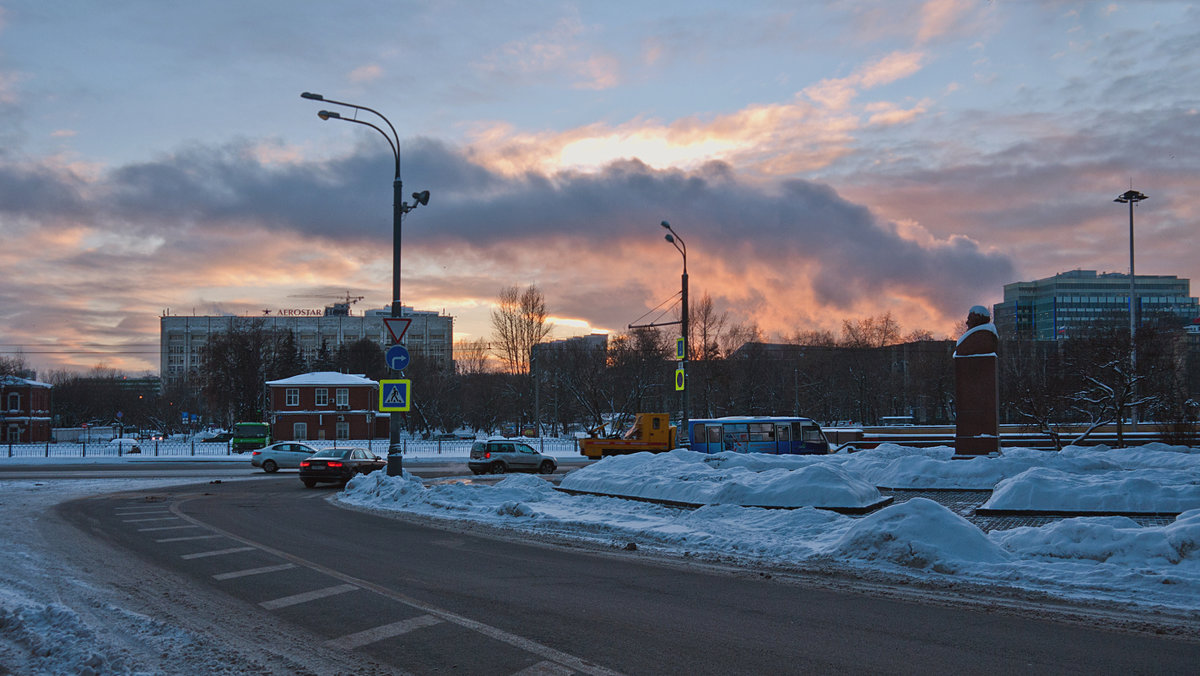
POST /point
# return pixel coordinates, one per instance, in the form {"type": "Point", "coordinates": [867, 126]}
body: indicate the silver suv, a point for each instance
{"type": "Point", "coordinates": [497, 456]}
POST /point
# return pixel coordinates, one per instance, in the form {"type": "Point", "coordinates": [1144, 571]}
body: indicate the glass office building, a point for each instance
{"type": "Point", "coordinates": [1072, 303]}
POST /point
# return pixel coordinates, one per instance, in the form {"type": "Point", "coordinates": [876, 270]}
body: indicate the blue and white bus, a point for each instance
{"type": "Point", "coordinates": [757, 434]}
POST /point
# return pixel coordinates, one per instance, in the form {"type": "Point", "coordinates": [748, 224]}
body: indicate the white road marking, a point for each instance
{"type": "Point", "coordinates": [253, 571]}
{"type": "Point", "coordinates": [157, 518]}
{"type": "Point", "coordinates": [217, 552]}
{"type": "Point", "coordinates": [528, 645]}
{"type": "Point", "coordinates": [362, 638]}
{"type": "Point", "coordinates": [190, 537]}
{"type": "Point", "coordinates": [143, 530]}
{"type": "Point", "coordinates": [545, 669]}
{"type": "Point", "coordinates": [134, 511]}
{"type": "Point", "coordinates": [307, 596]}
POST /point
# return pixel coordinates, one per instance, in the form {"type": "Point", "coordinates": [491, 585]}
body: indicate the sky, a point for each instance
{"type": "Point", "coordinates": [821, 161]}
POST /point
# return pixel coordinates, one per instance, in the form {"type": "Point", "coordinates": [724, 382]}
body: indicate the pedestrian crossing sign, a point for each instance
{"type": "Point", "coordinates": [395, 395]}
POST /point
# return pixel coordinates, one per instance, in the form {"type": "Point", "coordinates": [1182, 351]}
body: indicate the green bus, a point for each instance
{"type": "Point", "coordinates": [248, 436]}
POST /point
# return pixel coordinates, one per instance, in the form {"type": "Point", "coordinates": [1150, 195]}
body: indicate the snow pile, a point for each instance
{"type": "Point", "coordinates": [919, 533]}
{"type": "Point", "coordinates": [1132, 491]}
{"type": "Point", "coordinates": [724, 478]}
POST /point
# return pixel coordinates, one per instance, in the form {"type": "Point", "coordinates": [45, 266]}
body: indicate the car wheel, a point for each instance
{"type": "Point", "coordinates": [270, 466]}
{"type": "Point", "coordinates": [309, 483]}
{"type": "Point", "coordinates": [497, 468]}
{"type": "Point", "coordinates": [547, 467]}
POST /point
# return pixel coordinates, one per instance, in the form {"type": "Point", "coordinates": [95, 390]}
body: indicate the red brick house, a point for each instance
{"type": "Point", "coordinates": [24, 410]}
{"type": "Point", "coordinates": [323, 405]}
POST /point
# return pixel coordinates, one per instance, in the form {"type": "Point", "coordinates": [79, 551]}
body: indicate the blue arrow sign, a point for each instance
{"type": "Point", "coordinates": [397, 358]}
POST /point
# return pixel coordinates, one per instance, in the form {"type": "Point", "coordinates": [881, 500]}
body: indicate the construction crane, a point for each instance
{"type": "Point", "coordinates": [338, 308]}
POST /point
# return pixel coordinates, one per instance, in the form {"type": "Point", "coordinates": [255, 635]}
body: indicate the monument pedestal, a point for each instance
{"type": "Point", "coordinates": [976, 388]}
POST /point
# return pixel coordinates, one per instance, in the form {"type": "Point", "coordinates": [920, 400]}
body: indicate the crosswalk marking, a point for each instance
{"type": "Point", "coordinates": [545, 669]}
{"type": "Point", "coordinates": [190, 537]}
{"type": "Point", "coordinates": [217, 552]}
{"type": "Point", "coordinates": [127, 511]}
{"type": "Point", "coordinates": [295, 599]}
{"type": "Point", "coordinates": [253, 571]}
{"type": "Point", "coordinates": [156, 518]}
{"type": "Point", "coordinates": [143, 530]}
{"type": "Point", "coordinates": [362, 638]}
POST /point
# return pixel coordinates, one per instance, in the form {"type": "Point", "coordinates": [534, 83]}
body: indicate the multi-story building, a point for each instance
{"type": "Point", "coordinates": [1071, 303]}
{"type": "Point", "coordinates": [182, 338]}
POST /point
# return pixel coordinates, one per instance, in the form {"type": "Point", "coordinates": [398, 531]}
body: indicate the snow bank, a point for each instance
{"type": "Point", "coordinates": [920, 534]}
{"type": "Point", "coordinates": [1125, 491]}
{"type": "Point", "coordinates": [725, 478]}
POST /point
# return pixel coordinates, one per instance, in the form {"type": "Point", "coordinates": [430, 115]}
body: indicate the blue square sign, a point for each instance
{"type": "Point", "coordinates": [395, 395]}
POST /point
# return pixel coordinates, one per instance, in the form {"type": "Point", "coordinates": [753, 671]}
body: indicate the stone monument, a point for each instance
{"type": "Point", "coordinates": [976, 387]}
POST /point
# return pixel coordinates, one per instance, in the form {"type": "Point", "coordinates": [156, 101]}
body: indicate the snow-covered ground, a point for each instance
{"type": "Point", "coordinates": [54, 618]}
{"type": "Point", "coordinates": [1104, 558]}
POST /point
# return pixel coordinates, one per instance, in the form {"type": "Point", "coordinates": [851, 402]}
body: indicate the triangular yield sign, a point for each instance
{"type": "Point", "coordinates": [396, 327]}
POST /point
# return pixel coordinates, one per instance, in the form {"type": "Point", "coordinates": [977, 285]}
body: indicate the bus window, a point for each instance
{"type": "Point", "coordinates": [736, 436]}
{"type": "Point", "coordinates": [783, 432]}
{"type": "Point", "coordinates": [762, 431]}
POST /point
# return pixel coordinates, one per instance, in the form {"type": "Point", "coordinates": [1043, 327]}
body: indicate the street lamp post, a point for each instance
{"type": "Point", "coordinates": [1132, 197]}
{"type": "Point", "coordinates": [674, 238]}
{"type": "Point", "coordinates": [399, 209]}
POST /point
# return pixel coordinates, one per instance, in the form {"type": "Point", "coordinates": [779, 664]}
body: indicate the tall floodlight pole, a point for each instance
{"type": "Point", "coordinates": [1132, 197]}
{"type": "Point", "coordinates": [674, 238]}
{"type": "Point", "coordinates": [399, 209]}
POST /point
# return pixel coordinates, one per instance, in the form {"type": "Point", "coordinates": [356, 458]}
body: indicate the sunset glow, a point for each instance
{"type": "Point", "coordinates": [822, 165]}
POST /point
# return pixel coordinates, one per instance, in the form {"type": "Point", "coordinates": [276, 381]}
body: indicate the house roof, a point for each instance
{"type": "Point", "coordinates": [325, 378]}
{"type": "Point", "coordinates": [13, 381]}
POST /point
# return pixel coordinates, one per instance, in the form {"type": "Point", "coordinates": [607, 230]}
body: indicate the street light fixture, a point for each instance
{"type": "Point", "coordinates": [674, 238]}
{"type": "Point", "coordinates": [1132, 197]}
{"type": "Point", "coordinates": [399, 209]}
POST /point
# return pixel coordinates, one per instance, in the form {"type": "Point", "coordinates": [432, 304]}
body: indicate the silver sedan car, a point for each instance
{"type": "Point", "coordinates": [281, 454]}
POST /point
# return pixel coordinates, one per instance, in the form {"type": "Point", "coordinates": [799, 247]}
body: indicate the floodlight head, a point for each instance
{"type": "Point", "coordinates": [422, 197]}
{"type": "Point", "coordinates": [326, 114]}
{"type": "Point", "coordinates": [666, 225]}
{"type": "Point", "coordinates": [1131, 196]}
{"type": "Point", "coordinates": [312, 96]}
{"type": "Point", "coordinates": [670, 239]}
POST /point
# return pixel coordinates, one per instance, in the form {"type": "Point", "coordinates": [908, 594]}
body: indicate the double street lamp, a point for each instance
{"type": "Point", "coordinates": [399, 209]}
{"type": "Point", "coordinates": [674, 238]}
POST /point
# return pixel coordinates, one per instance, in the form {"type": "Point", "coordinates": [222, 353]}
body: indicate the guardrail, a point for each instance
{"type": "Point", "coordinates": [192, 448]}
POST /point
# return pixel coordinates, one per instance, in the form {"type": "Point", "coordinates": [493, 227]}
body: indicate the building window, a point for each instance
{"type": "Point", "coordinates": [14, 401]}
{"type": "Point", "coordinates": [292, 396]}
{"type": "Point", "coordinates": [322, 396]}
{"type": "Point", "coordinates": [300, 431]}
{"type": "Point", "coordinates": [343, 397]}
{"type": "Point", "coordinates": [343, 430]}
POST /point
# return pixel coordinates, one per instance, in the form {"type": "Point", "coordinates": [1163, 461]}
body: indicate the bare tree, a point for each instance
{"type": "Point", "coordinates": [519, 321]}
{"type": "Point", "coordinates": [471, 356]}
{"type": "Point", "coordinates": [871, 332]}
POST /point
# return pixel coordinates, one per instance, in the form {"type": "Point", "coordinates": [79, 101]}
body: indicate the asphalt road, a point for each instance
{"type": "Point", "coordinates": [428, 600]}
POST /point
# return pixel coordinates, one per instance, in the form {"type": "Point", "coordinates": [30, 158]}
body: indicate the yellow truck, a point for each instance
{"type": "Point", "coordinates": [650, 432]}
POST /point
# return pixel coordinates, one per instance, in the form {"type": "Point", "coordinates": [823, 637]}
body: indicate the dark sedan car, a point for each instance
{"type": "Point", "coordinates": [338, 465]}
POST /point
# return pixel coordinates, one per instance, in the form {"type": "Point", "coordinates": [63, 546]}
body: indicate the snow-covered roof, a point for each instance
{"type": "Point", "coordinates": [13, 381]}
{"type": "Point", "coordinates": [326, 378]}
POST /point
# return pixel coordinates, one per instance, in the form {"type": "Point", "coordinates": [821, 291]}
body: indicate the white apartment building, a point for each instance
{"type": "Point", "coordinates": [182, 338]}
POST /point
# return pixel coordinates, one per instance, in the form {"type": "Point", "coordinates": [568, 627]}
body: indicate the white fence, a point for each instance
{"type": "Point", "coordinates": [417, 448]}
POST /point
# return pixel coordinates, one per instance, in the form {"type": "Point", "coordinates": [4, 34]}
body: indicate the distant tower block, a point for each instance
{"type": "Point", "coordinates": [976, 386]}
